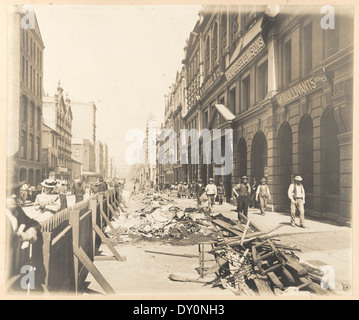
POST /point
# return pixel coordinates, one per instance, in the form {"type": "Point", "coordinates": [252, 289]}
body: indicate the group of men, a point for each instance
{"type": "Point", "coordinates": [245, 194]}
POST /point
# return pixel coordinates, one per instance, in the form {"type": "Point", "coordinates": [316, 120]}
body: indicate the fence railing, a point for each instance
{"type": "Point", "coordinates": [66, 247]}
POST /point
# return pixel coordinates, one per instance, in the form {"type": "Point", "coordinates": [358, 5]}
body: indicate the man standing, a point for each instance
{"type": "Point", "coordinates": [79, 192]}
{"type": "Point", "coordinates": [211, 191]}
{"type": "Point", "coordinates": [24, 190]}
{"type": "Point", "coordinates": [198, 191]}
{"type": "Point", "coordinates": [62, 190]}
{"type": "Point", "coordinates": [243, 192]}
{"type": "Point", "coordinates": [263, 195]}
{"type": "Point", "coordinates": [296, 194]}
{"type": "Point", "coordinates": [102, 186]}
{"type": "Point", "coordinates": [221, 193]}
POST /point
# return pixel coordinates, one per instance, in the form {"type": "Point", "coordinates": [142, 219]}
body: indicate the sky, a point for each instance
{"type": "Point", "coordinates": [124, 58]}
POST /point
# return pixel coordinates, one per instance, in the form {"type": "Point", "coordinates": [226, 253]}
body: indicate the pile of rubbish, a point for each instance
{"type": "Point", "coordinates": [251, 262]}
{"type": "Point", "coordinates": [160, 219]}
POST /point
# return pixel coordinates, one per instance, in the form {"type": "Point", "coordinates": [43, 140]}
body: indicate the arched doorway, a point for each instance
{"type": "Point", "coordinates": [23, 175]}
{"type": "Point", "coordinates": [284, 164]}
{"type": "Point", "coordinates": [305, 148]}
{"type": "Point", "coordinates": [242, 158]}
{"type": "Point", "coordinates": [330, 166]}
{"type": "Point", "coordinates": [31, 179]}
{"type": "Point", "coordinates": [259, 156]}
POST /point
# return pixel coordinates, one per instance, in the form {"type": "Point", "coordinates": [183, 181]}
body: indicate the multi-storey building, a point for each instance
{"type": "Point", "coordinates": [50, 154]}
{"type": "Point", "coordinates": [105, 161]}
{"type": "Point", "coordinates": [84, 120]}
{"type": "Point", "coordinates": [58, 114]}
{"type": "Point", "coordinates": [83, 151]}
{"type": "Point", "coordinates": [24, 112]}
{"type": "Point", "coordinates": [283, 84]}
{"type": "Point", "coordinates": [99, 158]}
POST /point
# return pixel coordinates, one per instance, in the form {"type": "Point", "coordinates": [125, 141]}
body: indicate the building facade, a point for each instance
{"type": "Point", "coordinates": [283, 84]}
{"type": "Point", "coordinates": [84, 120]}
{"type": "Point", "coordinates": [50, 154]}
{"type": "Point", "coordinates": [24, 112]}
{"type": "Point", "coordinates": [58, 115]}
{"type": "Point", "coordinates": [83, 151]}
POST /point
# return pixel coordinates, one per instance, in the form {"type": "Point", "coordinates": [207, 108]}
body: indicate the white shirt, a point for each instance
{"type": "Point", "coordinates": [51, 201]}
{"type": "Point", "coordinates": [211, 189]}
{"type": "Point", "coordinates": [296, 189]}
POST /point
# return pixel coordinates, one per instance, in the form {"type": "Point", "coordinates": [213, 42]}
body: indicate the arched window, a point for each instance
{"type": "Point", "coordinates": [207, 56]}
{"type": "Point", "coordinates": [215, 45]}
{"type": "Point", "coordinates": [23, 144]}
{"type": "Point", "coordinates": [259, 155]}
{"type": "Point", "coordinates": [24, 109]}
{"type": "Point", "coordinates": [223, 38]}
{"type": "Point", "coordinates": [233, 31]}
{"type": "Point", "coordinates": [23, 175]}
{"type": "Point", "coordinates": [32, 147]}
{"type": "Point", "coordinates": [32, 115]}
{"type": "Point", "coordinates": [38, 149]}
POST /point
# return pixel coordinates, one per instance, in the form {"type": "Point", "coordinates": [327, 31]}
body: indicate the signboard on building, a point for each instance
{"type": "Point", "coordinates": [213, 80]}
{"type": "Point", "coordinates": [245, 58]}
{"type": "Point", "coordinates": [313, 82]}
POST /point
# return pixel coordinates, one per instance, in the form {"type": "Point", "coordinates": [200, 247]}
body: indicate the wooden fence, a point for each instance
{"type": "Point", "coordinates": [67, 245]}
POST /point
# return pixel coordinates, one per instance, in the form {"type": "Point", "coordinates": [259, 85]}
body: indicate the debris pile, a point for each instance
{"type": "Point", "coordinates": [252, 262]}
{"type": "Point", "coordinates": [160, 219]}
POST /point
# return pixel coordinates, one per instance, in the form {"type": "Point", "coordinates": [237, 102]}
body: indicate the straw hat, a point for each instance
{"type": "Point", "coordinates": [298, 178]}
{"type": "Point", "coordinates": [49, 183]}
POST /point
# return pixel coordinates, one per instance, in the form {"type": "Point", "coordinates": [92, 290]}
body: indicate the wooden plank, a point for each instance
{"type": "Point", "coordinates": [46, 249]}
{"type": "Point", "coordinates": [263, 287]}
{"type": "Point", "coordinates": [226, 226]}
{"type": "Point", "coordinates": [75, 223]}
{"type": "Point", "coordinates": [274, 279]}
{"type": "Point", "coordinates": [93, 208]}
{"type": "Point", "coordinates": [110, 225]}
{"type": "Point", "coordinates": [108, 243]}
{"type": "Point", "coordinates": [252, 225]}
{"type": "Point", "coordinates": [85, 260]}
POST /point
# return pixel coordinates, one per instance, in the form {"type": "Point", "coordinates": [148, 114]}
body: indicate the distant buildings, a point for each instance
{"type": "Point", "coordinates": [58, 116]}
{"type": "Point", "coordinates": [24, 113]}
{"type": "Point", "coordinates": [83, 151]}
{"type": "Point", "coordinates": [84, 122]}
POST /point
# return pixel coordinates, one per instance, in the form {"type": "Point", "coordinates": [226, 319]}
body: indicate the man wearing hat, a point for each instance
{"type": "Point", "coordinates": [243, 192]}
{"type": "Point", "coordinates": [296, 194]}
{"type": "Point", "coordinates": [211, 191]}
{"type": "Point", "coordinates": [221, 193]}
{"type": "Point", "coordinates": [263, 195]}
{"type": "Point", "coordinates": [47, 201]}
{"type": "Point", "coordinates": [102, 185]}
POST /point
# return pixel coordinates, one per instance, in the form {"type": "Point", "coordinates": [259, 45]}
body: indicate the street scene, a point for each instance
{"type": "Point", "coordinates": [206, 152]}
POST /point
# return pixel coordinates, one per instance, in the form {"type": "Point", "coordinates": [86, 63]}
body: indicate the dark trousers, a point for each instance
{"type": "Point", "coordinates": [63, 201]}
{"type": "Point", "coordinates": [79, 198]}
{"type": "Point", "coordinates": [242, 206]}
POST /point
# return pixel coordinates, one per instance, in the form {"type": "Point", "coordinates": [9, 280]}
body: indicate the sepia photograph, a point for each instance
{"type": "Point", "coordinates": [179, 151]}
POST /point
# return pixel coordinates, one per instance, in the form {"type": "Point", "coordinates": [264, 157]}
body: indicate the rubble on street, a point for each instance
{"type": "Point", "coordinates": [161, 219]}
{"type": "Point", "coordinates": [248, 261]}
